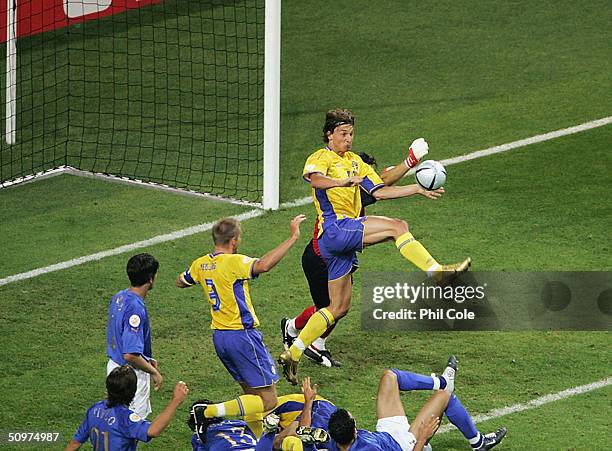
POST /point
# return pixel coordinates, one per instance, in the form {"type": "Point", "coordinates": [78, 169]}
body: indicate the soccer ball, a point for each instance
{"type": "Point", "coordinates": [430, 174]}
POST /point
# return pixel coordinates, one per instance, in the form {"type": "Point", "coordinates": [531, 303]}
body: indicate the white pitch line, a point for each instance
{"type": "Point", "coordinates": [496, 413]}
{"type": "Point", "coordinates": [126, 248]}
{"type": "Point", "coordinates": [296, 203]}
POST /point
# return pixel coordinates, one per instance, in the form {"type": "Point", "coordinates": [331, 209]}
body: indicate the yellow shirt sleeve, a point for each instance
{"type": "Point", "coordinates": [315, 163]}
{"type": "Point", "coordinates": [191, 275]}
{"type": "Point", "coordinates": [242, 266]}
{"type": "Point", "coordinates": [371, 180]}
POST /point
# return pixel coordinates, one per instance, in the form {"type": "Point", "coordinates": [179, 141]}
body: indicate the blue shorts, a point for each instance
{"type": "Point", "coordinates": [321, 411]}
{"type": "Point", "coordinates": [339, 243]}
{"type": "Point", "coordinates": [246, 357]}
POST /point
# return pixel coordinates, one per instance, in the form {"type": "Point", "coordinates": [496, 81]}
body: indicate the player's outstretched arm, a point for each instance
{"type": "Point", "coordinates": [320, 181]}
{"type": "Point", "coordinates": [418, 149]}
{"type": "Point", "coordinates": [271, 259]}
{"type": "Point", "coordinates": [395, 192]}
{"type": "Point", "coordinates": [163, 419]}
{"type": "Point", "coordinates": [310, 394]}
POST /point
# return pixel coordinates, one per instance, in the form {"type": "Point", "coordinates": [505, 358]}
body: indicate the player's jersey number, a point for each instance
{"type": "Point", "coordinates": [99, 439]}
{"type": "Point", "coordinates": [238, 437]}
{"type": "Point", "coordinates": [213, 295]}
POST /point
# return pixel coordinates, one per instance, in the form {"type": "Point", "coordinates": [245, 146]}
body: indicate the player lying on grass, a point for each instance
{"type": "Point", "coordinates": [221, 434]}
{"type": "Point", "coordinates": [111, 425]}
{"type": "Point", "coordinates": [224, 275]}
{"type": "Point", "coordinates": [315, 268]}
{"type": "Point", "coordinates": [336, 175]}
{"type": "Point", "coordinates": [393, 431]}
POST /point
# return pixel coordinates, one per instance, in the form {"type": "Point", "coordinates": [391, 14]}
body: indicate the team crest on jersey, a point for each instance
{"type": "Point", "coordinates": [355, 168]}
{"type": "Point", "coordinates": [246, 259]}
{"type": "Point", "coordinates": [134, 417]}
{"type": "Point", "coordinates": [309, 167]}
{"type": "Point", "coordinates": [134, 320]}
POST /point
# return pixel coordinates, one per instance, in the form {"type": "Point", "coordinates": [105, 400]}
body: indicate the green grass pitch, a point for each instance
{"type": "Point", "coordinates": [464, 75]}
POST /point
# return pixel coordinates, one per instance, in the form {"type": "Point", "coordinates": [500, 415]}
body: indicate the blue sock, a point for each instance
{"type": "Point", "coordinates": [408, 381]}
{"type": "Point", "coordinates": [459, 416]}
{"type": "Point", "coordinates": [266, 442]}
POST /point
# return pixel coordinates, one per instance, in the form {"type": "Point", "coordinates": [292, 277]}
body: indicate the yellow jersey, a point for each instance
{"type": "Point", "coordinates": [341, 202]}
{"type": "Point", "coordinates": [290, 408]}
{"type": "Point", "coordinates": [224, 280]}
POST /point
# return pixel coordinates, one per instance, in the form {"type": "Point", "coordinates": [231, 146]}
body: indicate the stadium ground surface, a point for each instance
{"type": "Point", "coordinates": [466, 76]}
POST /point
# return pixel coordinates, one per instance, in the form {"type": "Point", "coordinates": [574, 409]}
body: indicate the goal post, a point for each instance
{"type": "Point", "coordinates": [271, 166]}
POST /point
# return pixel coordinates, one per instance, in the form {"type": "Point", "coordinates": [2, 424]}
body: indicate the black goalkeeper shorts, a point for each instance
{"type": "Point", "coordinates": [315, 271]}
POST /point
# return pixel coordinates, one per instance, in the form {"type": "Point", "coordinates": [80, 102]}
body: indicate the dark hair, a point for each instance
{"type": "Point", "coordinates": [141, 268]}
{"type": "Point", "coordinates": [225, 229]}
{"type": "Point", "coordinates": [335, 118]}
{"type": "Point", "coordinates": [208, 421]}
{"type": "Point", "coordinates": [368, 159]}
{"type": "Point", "coordinates": [341, 427]}
{"type": "Point", "coordinates": [121, 386]}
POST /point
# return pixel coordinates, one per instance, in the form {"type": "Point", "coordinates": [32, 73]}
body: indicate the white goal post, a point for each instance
{"type": "Point", "coordinates": [271, 170]}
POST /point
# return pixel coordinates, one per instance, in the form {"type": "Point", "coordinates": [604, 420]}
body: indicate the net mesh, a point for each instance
{"type": "Point", "coordinates": [170, 93]}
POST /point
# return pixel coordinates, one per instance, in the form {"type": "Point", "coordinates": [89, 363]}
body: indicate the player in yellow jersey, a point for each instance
{"type": "Point", "coordinates": [223, 275]}
{"type": "Point", "coordinates": [336, 175]}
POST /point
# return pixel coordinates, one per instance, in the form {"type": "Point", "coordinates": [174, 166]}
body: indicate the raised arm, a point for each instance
{"type": "Point", "coordinates": [163, 419]}
{"type": "Point", "coordinates": [271, 259]}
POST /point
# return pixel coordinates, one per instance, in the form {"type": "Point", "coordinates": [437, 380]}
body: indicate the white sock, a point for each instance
{"type": "Point", "coordinates": [319, 344]}
{"type": "Point", "coordinates": [432, 269]}
{"type": "Point", "coordinates": [299, 344]}
{"type": "Point", "coordinates": [291, 328]}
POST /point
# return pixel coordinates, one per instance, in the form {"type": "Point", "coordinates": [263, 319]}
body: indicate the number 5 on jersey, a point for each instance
{"type": "Point", "coordinates": [212, 294]}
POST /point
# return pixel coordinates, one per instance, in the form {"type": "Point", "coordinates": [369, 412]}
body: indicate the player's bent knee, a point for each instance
{"type": "Point", "coordinates": [401, 226]}
{"type": "Point", "coordinates": [388, 377]}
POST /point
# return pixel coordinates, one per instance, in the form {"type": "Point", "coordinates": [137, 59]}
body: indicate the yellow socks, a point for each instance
{"type": "Point", "coordinates": [292, 444]}
{"type": "Point", "coordinates": [414, 252]}
{"type": "Point", "coordinates": [315, 327]}
{"type": "Point", "coordinates": [242, 406]}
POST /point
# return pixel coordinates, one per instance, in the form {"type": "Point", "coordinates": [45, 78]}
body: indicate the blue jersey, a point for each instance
{"type": "Point", "coordinates": [370, 441]}
{"type": "Point", "coordinates": [112, 428]}
{"type": "Point", "coordinates": [228, 435]}
{"type": "Point", "coordinates": [128, 327]}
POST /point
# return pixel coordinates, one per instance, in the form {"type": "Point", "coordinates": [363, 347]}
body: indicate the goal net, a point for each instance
{"type": "Point", "coordinates": [164, 92]}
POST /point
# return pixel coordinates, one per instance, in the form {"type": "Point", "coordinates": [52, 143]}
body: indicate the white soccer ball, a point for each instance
{"type": "Point", "coordinates": [430, 174]}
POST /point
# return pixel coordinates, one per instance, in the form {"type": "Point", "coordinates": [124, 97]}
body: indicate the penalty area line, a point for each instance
{"type": "Point", "coordinates": [296, 203]}
{"type": "Point", "coordinates": [534, 403]}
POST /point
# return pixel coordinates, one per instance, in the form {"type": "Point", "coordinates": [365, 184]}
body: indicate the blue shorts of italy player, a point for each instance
{"type": "Point", "coordinates": [339, 243]}
{"type": "Point", "coordinates": [246, 357]}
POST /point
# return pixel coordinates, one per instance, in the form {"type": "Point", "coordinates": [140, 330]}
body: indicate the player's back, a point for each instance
{"type": "Point", "coordinates": [112, 428]}
{"type": "Point", "coordinates": [228, 435]}
{"type": "Point", "coordinates": [224, 280]}
{"type": "Point", "coordinates": [370, 441]}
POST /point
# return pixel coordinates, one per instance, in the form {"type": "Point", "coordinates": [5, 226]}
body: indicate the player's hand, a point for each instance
{"type": "Point", "coordinates": [309, 391]}
{"type": "Point", "coordinates": [418, 149]}
{"type": "Point", "coordinates": [427, 428]}
{"type": "Point", "coordinates": [157, 380]}
{"type": "Point", "coordinates": [295, 225]}
{"type": "Point", "coordinates": [180, 392]}
{"type": "Point", "coordinates": [352, 181]}
{"type": "Point", "coordinates": [433, 195]}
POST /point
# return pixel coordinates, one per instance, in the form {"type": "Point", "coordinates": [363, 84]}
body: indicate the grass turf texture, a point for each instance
{"type": "Point", "coordinates": [496, 209]}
